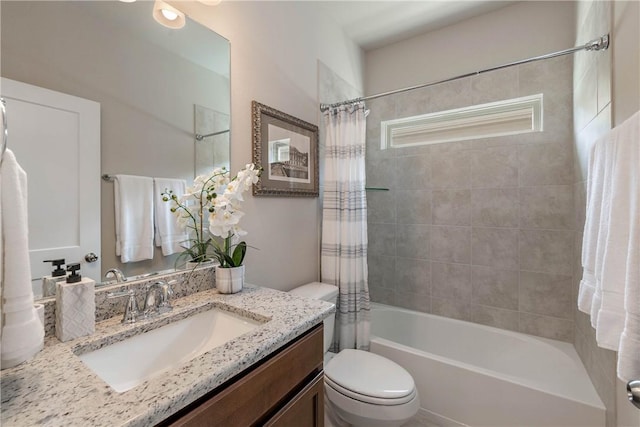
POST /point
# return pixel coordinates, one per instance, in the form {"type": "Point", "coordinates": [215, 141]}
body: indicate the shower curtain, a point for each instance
{"type": "Point", "coordinates": [344, 224]}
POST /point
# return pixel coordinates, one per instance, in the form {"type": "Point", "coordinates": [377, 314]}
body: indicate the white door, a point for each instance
{"type": "Point", "coordinates": [56, 140]}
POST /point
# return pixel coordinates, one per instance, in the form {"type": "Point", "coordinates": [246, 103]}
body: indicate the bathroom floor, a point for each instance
{"type": "Point", "coordinates": [421, 420]}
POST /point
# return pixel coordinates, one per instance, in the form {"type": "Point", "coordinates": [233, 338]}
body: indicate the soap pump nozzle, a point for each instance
{"type": "Point", "coordinates": [74, 276]}
{"type": "Point", "coordinates": [57, 271]}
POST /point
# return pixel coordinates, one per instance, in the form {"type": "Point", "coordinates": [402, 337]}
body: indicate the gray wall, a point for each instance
{"type": "Point", "coordinates": [479, 230]}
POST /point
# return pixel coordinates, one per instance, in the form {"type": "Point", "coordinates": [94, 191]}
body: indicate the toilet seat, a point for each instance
{"type": "Point", "coordinates": [368, 399]}
{"type": "Point", "coordinates": [369, 378]}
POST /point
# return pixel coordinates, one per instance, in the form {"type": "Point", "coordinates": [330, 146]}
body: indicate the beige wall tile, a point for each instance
{"type": "Point", "coordinates": [548, 207]}
{"type": "Point", "coordinates": [585, 106]}
{"type": "Point", "coordinates": [546, 294]}
{"type": "Point", "coordinates": [495, 167]}
{"type": "Point", "coordinates": [545, 164]}
{"type": "Point", "coordinates": [412, 241]}
{"type": "Point", "coordinates": [382, 270]}
{"type": "Point", "coordinates": [413, 172]}
{"type": "Point", "coordinates": [413, 276]}
{"type": "Point", "coordinates": [382, 295]}
{"type": "Point", "coordinates": [382, 239]}
{"type": "Point", "coordinates": [381, 172]}
{"type": "Point", "coordinates": [381, 206]}
{"type": "Point", "coordinates": [495, 288]}
{"type": "Point", "coordinates": [450, 170]}
{"type": "Point", "coordinates": [452, 281]}
{"type": "Point", "coordinates": [496, 317]}
{"type": "Point", "coordinates": [412, 301]}
{"type": "Point", "coordinates": [441, 97]}
{"type": "Point", "coordinates": [548, 327]}
{"type": "Point", "coordinates": [546, 251]}
{"type": "Point", "coordinates": [495, 207]}
{"type": "Point", "coordinates": [552, 76]}
{"type": "Point", "coordinates": [451, 308]}
{"type": "Point", "coordinates": [451, 207]}
{"type": "Point", "coordinates": [451, 244]}
{"type": "Point", "coordinates": [495, 85]}
{"type": "Point", "coordinates": [495, 247]}
{"type": "Point", "coordinates": [413, 206]}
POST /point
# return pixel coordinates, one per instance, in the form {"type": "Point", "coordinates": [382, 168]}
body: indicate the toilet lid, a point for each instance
{"type": "Point", "coordinates": [368, 374]}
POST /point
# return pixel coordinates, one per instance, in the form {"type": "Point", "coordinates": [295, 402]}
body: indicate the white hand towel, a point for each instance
{"type": "Point", "coordinates": [134, 217]}
{"type": "Point", "coordinates": [609, 147]}
{"type": "Point", "coordinates": [595, 185]}
{"type": "Point", "coordinates": [623, 214]}
{"type": "Point", "coordinates": [169, 235]}
{"type": "Point", "coordinates": [22, 332]}
{"type": "Point", "coordinates": [629, 349]}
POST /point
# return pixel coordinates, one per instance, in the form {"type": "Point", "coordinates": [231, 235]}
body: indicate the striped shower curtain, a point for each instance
{"type": "Point", "coordinates": [344, 224]}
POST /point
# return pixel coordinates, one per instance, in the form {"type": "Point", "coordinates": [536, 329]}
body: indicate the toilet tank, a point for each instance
{"type": "Point", "coordinates": [324, 292]}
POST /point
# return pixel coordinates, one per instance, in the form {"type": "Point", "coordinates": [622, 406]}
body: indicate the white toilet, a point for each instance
{"type": "Point", "coordinates": [361, 388]}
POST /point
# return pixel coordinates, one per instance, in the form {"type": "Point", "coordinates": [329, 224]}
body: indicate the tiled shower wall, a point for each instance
{"type": "Point", "coordinates": [592, 119]}
{"type": "Point", "coordinates": [480, 230]}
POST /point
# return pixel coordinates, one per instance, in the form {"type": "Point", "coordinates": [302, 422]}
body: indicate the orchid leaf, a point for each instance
{"type": "Point", "coordinates": [239, 253]}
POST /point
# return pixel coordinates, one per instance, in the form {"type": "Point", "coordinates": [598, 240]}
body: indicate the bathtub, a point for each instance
{"type": "Point", "coordinates": [476, 375]}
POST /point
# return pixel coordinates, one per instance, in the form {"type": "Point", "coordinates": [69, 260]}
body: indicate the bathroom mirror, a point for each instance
{"type": "Point", "coordinates": [157, 88]}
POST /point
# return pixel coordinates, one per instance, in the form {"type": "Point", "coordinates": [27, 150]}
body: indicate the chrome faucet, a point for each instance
{"type": "Point", "coordinates": [157, 299]}
{"type": "Point", "coordinates": [117, 273]}
{"type": "Point", "coordinates": [131, 310]}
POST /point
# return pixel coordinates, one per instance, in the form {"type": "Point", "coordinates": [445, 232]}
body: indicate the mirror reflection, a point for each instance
{"type": "Point", "coordinates": [156, 89]}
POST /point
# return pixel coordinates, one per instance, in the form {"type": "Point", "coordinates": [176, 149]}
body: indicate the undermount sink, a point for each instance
{"type": "Point", "coordinates": [130, 362]}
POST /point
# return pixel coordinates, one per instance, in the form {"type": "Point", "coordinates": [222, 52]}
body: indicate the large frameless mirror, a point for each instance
{"type": "Point", "coordinates": [157, 88]}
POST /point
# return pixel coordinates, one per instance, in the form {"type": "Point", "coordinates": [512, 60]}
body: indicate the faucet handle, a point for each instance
{"type": "Point", "coordinates": [166, 292]}
{"type": "Point", "coordinates": [131, 310]}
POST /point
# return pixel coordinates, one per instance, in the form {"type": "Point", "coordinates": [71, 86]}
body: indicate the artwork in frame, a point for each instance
{"type": "Point", "coordinates": [287, 149]}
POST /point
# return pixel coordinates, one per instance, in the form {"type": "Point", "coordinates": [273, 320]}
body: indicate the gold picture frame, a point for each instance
{"type": "Point", "coordinates": [287, 150]}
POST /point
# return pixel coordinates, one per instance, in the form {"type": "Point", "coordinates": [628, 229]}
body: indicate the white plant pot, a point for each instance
{"type": "Point", "coordinates": [190, 265]}
{"type": "Point", "coordinates": [229, 280]}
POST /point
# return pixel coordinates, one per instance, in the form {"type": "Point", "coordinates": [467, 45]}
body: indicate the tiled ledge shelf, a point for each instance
{"type": "Point", "coordinates": [188, 282]}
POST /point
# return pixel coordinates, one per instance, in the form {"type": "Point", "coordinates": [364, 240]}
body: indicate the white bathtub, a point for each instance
{"type": "Point", "coordinates": [476, 375]}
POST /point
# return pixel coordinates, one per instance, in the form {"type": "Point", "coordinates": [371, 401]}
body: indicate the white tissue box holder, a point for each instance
{"type": "Point", "coordinates": [75, 309]}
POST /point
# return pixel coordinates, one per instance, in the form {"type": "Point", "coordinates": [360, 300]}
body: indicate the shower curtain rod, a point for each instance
{"type": "Point", "coordinates": [601, 43]}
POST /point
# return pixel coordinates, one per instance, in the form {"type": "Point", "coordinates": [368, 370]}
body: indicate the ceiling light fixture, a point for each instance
{"type": "Point", "coordinates": [168, 15]}
{"type": "Point", "coordinates": [210, 2]}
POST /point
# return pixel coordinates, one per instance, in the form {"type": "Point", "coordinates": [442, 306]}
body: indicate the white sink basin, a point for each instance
{"type": "Point", "coordinates": [130, 362]}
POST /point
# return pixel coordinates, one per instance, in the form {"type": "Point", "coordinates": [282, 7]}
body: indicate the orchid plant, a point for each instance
{"type": "Point", "coordinates": [211, 207]}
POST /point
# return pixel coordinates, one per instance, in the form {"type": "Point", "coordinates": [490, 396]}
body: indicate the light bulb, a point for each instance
{"type": "Point", "coordinates": [170, 15]}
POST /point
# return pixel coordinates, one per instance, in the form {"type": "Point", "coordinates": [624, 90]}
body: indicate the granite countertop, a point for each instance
{"type": "Point", "coordinates": [55, 388]}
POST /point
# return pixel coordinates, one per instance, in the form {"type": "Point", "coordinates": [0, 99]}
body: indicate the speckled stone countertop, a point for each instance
{"type": "Point", "coordinates": [56, 389]}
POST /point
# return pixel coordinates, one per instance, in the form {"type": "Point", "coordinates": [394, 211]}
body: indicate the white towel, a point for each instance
{"type": "Point", "coordinates": [595, 185]}
{"type": "Point", "coordinates": [629, 171]}
{"type": "Point", "coordinates": [169, 235]}
{"type": "Point", "coordinates": [604, 225]}
{"type": "Point", "coordinates": [22, 332]}
{"type": "Point", "coordinates": [134, 217]}
{"type": "Point", "coordinates": [624, 188]}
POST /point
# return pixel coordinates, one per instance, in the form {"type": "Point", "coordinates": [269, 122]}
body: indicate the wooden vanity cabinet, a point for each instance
{"type": "Point", "coordinates": [286, 389]}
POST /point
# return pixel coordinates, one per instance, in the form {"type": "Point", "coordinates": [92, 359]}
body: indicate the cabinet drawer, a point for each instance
{"type": "Point", "coordinates": [306, 409]}
{"type": "Point", "coordinates": [245, 401]}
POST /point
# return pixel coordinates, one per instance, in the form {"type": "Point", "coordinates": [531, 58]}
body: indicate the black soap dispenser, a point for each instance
{"type": "Point", "coordinates": [75, 276]}
{"type": "Point", "coordinates": [58, 274]}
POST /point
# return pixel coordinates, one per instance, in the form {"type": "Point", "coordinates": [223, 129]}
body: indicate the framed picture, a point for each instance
{"type": "Point", "coordinates": [287, 150]}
